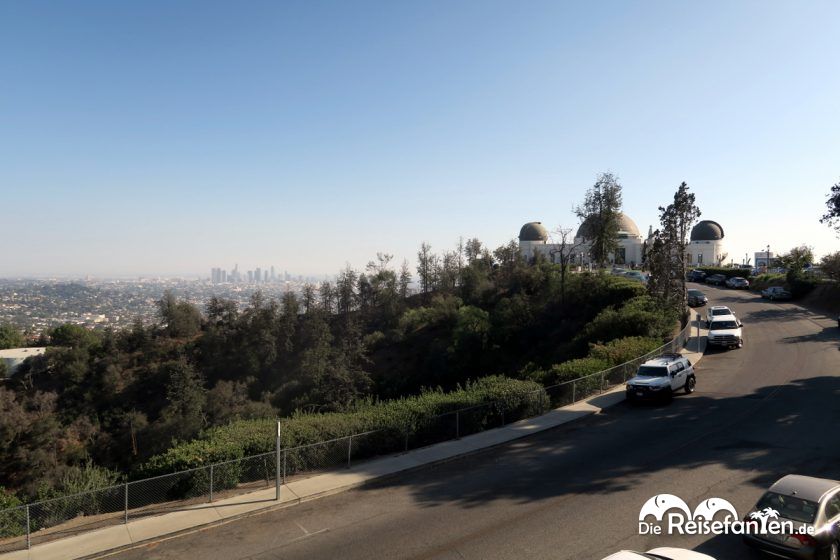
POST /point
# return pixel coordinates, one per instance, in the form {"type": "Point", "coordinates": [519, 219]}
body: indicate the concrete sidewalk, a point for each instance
{"type": "Point", "coordinates": [98, 543]}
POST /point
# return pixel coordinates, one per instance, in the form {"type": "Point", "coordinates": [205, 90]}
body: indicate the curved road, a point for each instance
{"type": "Point", "coordinates": [575, 492]}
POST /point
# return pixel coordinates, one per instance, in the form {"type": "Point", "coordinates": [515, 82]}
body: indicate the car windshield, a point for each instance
{"type": "Point", "coordinates": [695, 293]}
{"type": "Point", "coordinates": [653, 371]}
{"type": "Point", "coordinates": [718, 325]}
{"type": "Point", "coordinates": [789, 507]}
{"type": "Point", "coordinates": [724, 311]}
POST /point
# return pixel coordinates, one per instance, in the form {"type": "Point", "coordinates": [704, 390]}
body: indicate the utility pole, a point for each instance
{"type": "Point", "coordinates": [277, 465]}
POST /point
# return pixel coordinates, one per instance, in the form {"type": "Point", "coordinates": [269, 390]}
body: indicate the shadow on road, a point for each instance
{"type": "Point", "coordinates": [766, 434]}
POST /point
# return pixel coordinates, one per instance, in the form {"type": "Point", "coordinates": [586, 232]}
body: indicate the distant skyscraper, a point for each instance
{"type": "Point", "coordinates": [273, 276]}
{"type": "Point", "coordinates": [223, 279]}
{"type": "Point", "coordinates": [258, 275]}
{"type": "Point", "coordinates": [250, 276]}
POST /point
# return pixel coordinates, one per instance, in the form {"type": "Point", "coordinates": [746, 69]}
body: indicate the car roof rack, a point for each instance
{"type": "Point", "coordinates": [671, 356]}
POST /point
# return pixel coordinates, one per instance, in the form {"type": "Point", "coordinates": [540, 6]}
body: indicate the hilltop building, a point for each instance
{"type": "Point", "coordinates": [705, 246]}
{"type": "Point", "coordinates": [534, 238]}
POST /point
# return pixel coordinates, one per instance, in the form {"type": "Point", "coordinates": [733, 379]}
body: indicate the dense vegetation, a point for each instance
{"type": "Point", "coordinates": [100, 402]}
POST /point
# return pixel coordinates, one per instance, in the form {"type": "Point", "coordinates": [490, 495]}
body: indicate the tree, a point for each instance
{"type": "Point", "coordinates": [473, 250]}
{"type": "Point", "coordinates": [426, 268]}
{"type": "Point", "coordinates": [327, 293]}
{"type": "Point", "coordinates": [563, 252]}
{"type": "Point", "coordinates": [600, 211]}
{"type": "Point", "coordinates": [181, 319]}
{"type": "Point", "coordinates": [405, 279]}
{"type": "Point", "coordinates": [797, 259]}
{"type": "Point", "coordinates": [345, 290]}
{"type": "Point", "coordinates": [307, 297]}
{"type": "Point", "coordinates": [831, 266]}
{"type": "Point", "coordinates": [186, 397]}
{"type": "Point", "coordinates": [667, 257]}
{"type": "Point", "coordinates": [832, 215]}
{"type": "Point", "coordinates": [10, 336]}
{"type": "Point", "coordinates": [73, 336]}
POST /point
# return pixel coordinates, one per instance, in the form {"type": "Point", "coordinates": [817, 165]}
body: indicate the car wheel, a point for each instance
{"type": "Point", "coordinates": [831, 553]}
{"type": "Point", "coordinates": [690, 383]}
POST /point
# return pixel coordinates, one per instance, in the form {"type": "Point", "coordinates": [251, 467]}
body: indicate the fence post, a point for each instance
{"type": "Point", "coordinates": [211, 483]}
{"type": "Point", "coordinates": [28, 530]}
{"type": "Point", "coordinates": [349, 449]}
{"type": "Point", "coordinates": [457, 424]}
{"type": "Point", "coordinates": [277, 465]}
{"type": "Point", "coordinates": [603, 381]}
{"type": "Point", "coordinates": [574, 387]}
{"type": "Point", "coordinates": [125, 497]}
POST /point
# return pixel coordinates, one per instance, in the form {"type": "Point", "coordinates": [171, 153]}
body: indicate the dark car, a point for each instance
{"type": "Point", "coordinates": [696, 276]}
{"type": "Point", "coordinates": [696, 298]}
{"type": "Point", "coordinates": [811, 506]}
{"type": "Point", "coordinates": [716, 279]}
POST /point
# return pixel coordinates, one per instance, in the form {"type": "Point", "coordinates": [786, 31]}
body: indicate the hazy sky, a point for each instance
{"type": "Point", "coordinates": [172, 136]}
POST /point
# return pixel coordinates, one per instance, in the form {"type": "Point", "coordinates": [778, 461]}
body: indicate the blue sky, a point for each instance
{"type": "Point", "coordinates": [168, 137]}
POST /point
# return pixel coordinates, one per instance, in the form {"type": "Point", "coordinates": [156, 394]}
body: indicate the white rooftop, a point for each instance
{"type": "Point", "coordinates": [21, 353]}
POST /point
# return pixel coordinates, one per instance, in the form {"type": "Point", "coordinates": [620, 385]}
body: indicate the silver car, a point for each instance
{"type": "Point", "coordinates": [807, 502]}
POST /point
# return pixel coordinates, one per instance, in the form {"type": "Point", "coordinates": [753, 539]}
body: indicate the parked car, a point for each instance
{"type": "Point", "coordinates": [696, 276]}
{"type": "Point", "coordinates": [696, 298]}
{"type": "Point", "coordinates": [636, 275]}
{"type": "Point", "coordinates": [806, 502]}
{"type": "Point", "coordinates": [716, 311]}
{"type": "Point", "coordinates": [725, 330]}
{"type": "Point", "coordinates": [774, 293]}
{"type": "Point", "coordinates": [738, 282]}
{"type": "Point", "coordinates": [660, 378]}
{"type": "Point", "coordinates": [716, 279]}
{"type": "Point", "coordinates": [664, 553]}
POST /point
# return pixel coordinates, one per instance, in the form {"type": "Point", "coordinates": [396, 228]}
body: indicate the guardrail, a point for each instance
{"type": "Point", "coordinates": [24, 526]}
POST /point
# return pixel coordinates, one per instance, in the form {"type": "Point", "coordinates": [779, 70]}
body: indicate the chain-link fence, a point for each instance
{"type": "Point", "coordinates": [24, 526]}
{"type": "Point", "coordinates": [570, 392]}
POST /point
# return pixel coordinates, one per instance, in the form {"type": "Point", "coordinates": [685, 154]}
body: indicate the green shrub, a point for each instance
{"type": "Point", "coordinates": [623, 350]}
{"type": "Point", "coordinates": [393, 420]}
{"type": "Point", "coordinates": [800, 286]}
{"type": "Point", "coordinates": [640, 316]}
{"type": "Point", "coordinates": [12, 521]}
{"type": "Point", "coordinates": [573, 369]}
{"type": "Point", "coordinates": [728, 272]}
{"type": "Point", "coordinates": [763, 281]}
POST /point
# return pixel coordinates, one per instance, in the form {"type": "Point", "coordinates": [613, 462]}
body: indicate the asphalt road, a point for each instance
{"type": "Point", "coordinates": [760, 412]}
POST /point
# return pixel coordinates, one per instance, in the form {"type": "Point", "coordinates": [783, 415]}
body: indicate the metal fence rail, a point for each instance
{"type": "Point", "coordinates": [24, 526]}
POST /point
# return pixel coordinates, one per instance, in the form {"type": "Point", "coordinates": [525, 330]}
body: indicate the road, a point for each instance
{"type": "Point", "coordinates": [768, 409]}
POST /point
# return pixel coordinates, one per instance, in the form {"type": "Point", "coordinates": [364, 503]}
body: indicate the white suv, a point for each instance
{"type": "Point", "coordinates": [725, 330]}
{"type": "Point", "coordinates": [715, 311]}
{"type": "Point", "coordinates": [661, 377]}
